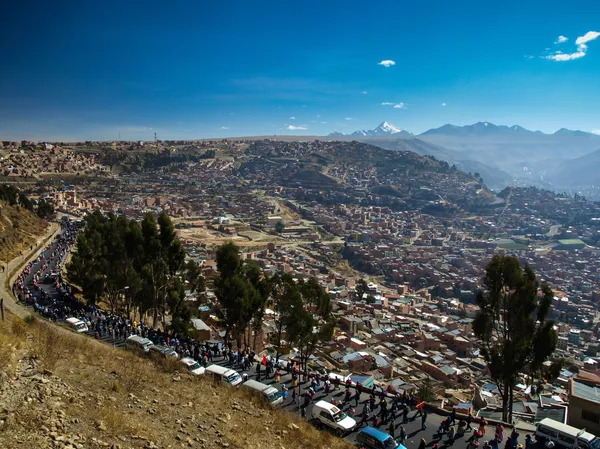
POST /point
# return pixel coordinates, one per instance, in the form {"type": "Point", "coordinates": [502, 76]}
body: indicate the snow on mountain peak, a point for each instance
{"type": "Point", "coordinates": [388, 128]}
{"type": "Point", "coordinates": [384, 129]}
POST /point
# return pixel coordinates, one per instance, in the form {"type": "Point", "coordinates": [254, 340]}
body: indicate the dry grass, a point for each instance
{"type": "Point", "coordinates": [130, 395]}
{"type": "Point", "coordinates": [49, 347]}
{"type": "Point", "coordinates": [9, 347]}
{"type": "Point", "coordinates": [168, 365]}
{"type": "Point", "coordinates": [19, 229]}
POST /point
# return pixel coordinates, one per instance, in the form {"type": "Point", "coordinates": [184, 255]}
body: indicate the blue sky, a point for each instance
{"type": "Point", "coordinates": [76, 70]}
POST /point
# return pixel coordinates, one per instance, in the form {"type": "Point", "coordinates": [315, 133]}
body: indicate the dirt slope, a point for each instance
{"type": "Point", "coordinates": [19, 229]}
{"type": "Point", "coordinates": [61, 390]}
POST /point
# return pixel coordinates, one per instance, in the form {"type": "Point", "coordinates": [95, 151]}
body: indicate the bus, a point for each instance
{"type": "Point", "coordinates": [564, 435]}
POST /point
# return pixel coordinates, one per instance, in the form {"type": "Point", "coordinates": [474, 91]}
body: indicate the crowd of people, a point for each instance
{"type": "Point", "coordinates": [45, 269]}
{"type": "Point", "coordinates": [381, 410]}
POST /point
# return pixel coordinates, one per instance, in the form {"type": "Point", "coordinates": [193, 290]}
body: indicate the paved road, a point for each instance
{"type": "Point", "coordinates": [15, 263]}
{"type": "Point", "coordinates": [413, 427]}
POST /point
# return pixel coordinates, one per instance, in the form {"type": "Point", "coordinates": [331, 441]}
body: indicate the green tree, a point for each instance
{"type": "Point", "coordinates": [361, 288]}
{"type": "Point", "coordinates": [308, 329]}
{"type": "Point", "coordinates": [25, 202]}
{"type": "Point", "coordinates": [180, 313]}
{"type": "Point", "coordinates": [193, 277]}
{"type": "Point", "coordinates": [9, 193]}
{"type": "Point", "coordinates": [315, 296]}
{"type": "Point", "coordinates": [279, 227]}
{"type": "Point", "coordinates": [286, 298]}
{"type": "Point", "coordinates": [45, 209]}
{"type": "Point", "coordinates": [133, 266]}
{"type": "Point", "coordinates": [512, 325]}
{"type": "Point", "coordinates": [260, 287]}
{"type": "Point", "coordinates": [171, 247]}
{"type": "Point", "coordinates": [85, 267]}
{"type": "Point", "coordinates": [238, 289]}
{"type": "Point", "coordinates": [425, 392]}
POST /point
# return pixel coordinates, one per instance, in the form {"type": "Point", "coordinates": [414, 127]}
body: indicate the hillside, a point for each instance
{"type": "Point", "coordinates": [333, 171]}
{"type": "Point", "coordinates": [527, 155]}
{"type": "Point", "coordinates": [492, 177]}
{"type": "Point", "coordinates": [19, 228]}
{"type": "Point", "coordinates": [582, 171]}
{"type": "Point", "coordinates": [62, 390]}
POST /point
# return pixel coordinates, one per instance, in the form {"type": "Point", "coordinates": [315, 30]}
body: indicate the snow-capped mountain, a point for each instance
{"type": "Point", "coordinates": [487, 129]}
{"type": "Point", "coordinates": [384, 129]}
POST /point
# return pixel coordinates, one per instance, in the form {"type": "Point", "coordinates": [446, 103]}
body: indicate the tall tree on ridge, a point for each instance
{"type": "Point", "coordinates": [512, 325]}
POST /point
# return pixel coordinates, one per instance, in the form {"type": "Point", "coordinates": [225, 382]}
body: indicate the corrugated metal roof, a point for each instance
{"type": "Point", "coordinates": [586, 392]}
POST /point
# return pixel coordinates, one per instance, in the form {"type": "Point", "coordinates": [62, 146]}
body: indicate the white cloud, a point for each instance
{"type": "Point", "coordinates": [587, 37]}
{"type": "Point", "coordinates": [297, 128]}
{"type": "Point", "coordinates": [224, 127]}
{"type": "Point", "coordinates": [292, 118]}
{"type": "Point", "coordinates": [348, 118]}
{"type": "Point", "coordinates": [559, 57]}
{"type": "Point", "coordinates": [582, 48]}
{"type": "Point", "coordinates": [561, 40]}
{"type": "Point", "coordinates": [387, 63]}
{"type": "Point", "coordinates": [323, 123]}
{"type": "Point", "coordinates": [443, 104]}
{"type": "Point", "coordinates": [596, 131]}
{"type": "Point", "coordinates": [396, 105]}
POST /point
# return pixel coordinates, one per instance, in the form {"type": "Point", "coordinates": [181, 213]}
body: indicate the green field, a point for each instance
{"type": "Point", "coordinates": [510, 244]}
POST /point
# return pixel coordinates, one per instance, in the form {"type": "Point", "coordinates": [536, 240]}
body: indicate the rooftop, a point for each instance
{"type": "Point", "coordinates": [585, 392]}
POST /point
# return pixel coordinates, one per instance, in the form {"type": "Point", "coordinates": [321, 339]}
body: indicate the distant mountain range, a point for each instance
{"type": "Point", "coordinates": [384, 129]}
{"type": "Point", "coordinates": [476, 129]}
{"type": "Point", "coordinates": [502, 155]}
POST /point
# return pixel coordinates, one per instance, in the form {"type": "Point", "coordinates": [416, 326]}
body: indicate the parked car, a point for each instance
{"type": "Point", "coordinates": [372, 438]}
{"type": "Point", "coordinates": [163, 351]}
{"type": "Point", "coordinates": [139, 344]}
{"type": "Point", "coordinates": [224, 375]}
{"type": "Point", "coordinates": [269, 394]}
{"type": "Point", "coordinates": [76, 324]}
{"type": "Point", "coordinates": [331, 416]}
{"type": "Point", "coordinates": [193, 366]}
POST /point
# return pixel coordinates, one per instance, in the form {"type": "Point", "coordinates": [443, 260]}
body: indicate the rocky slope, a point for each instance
{"type": "Point", "coordinates": [61, 390]}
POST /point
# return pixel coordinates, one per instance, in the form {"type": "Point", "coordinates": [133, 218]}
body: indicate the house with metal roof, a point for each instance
{"type": "Point", "coordinates": [584, 406]}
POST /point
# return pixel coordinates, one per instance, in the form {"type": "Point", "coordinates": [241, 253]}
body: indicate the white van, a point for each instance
{"type": "Point", "coordinates": [565, 435]}
{"type": "Point", "coordinates": [271, 395]}
{"type": "Point", "coordinates": [137, 343]}
{"type": "Point", "coordinates": [225, 375]}
{"type": "Point", "coordinates": [328, 414]}
{"type": "Point", "coordinates": [76, 324]}
{"type": "Point", "coordinates": [193, 366]}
